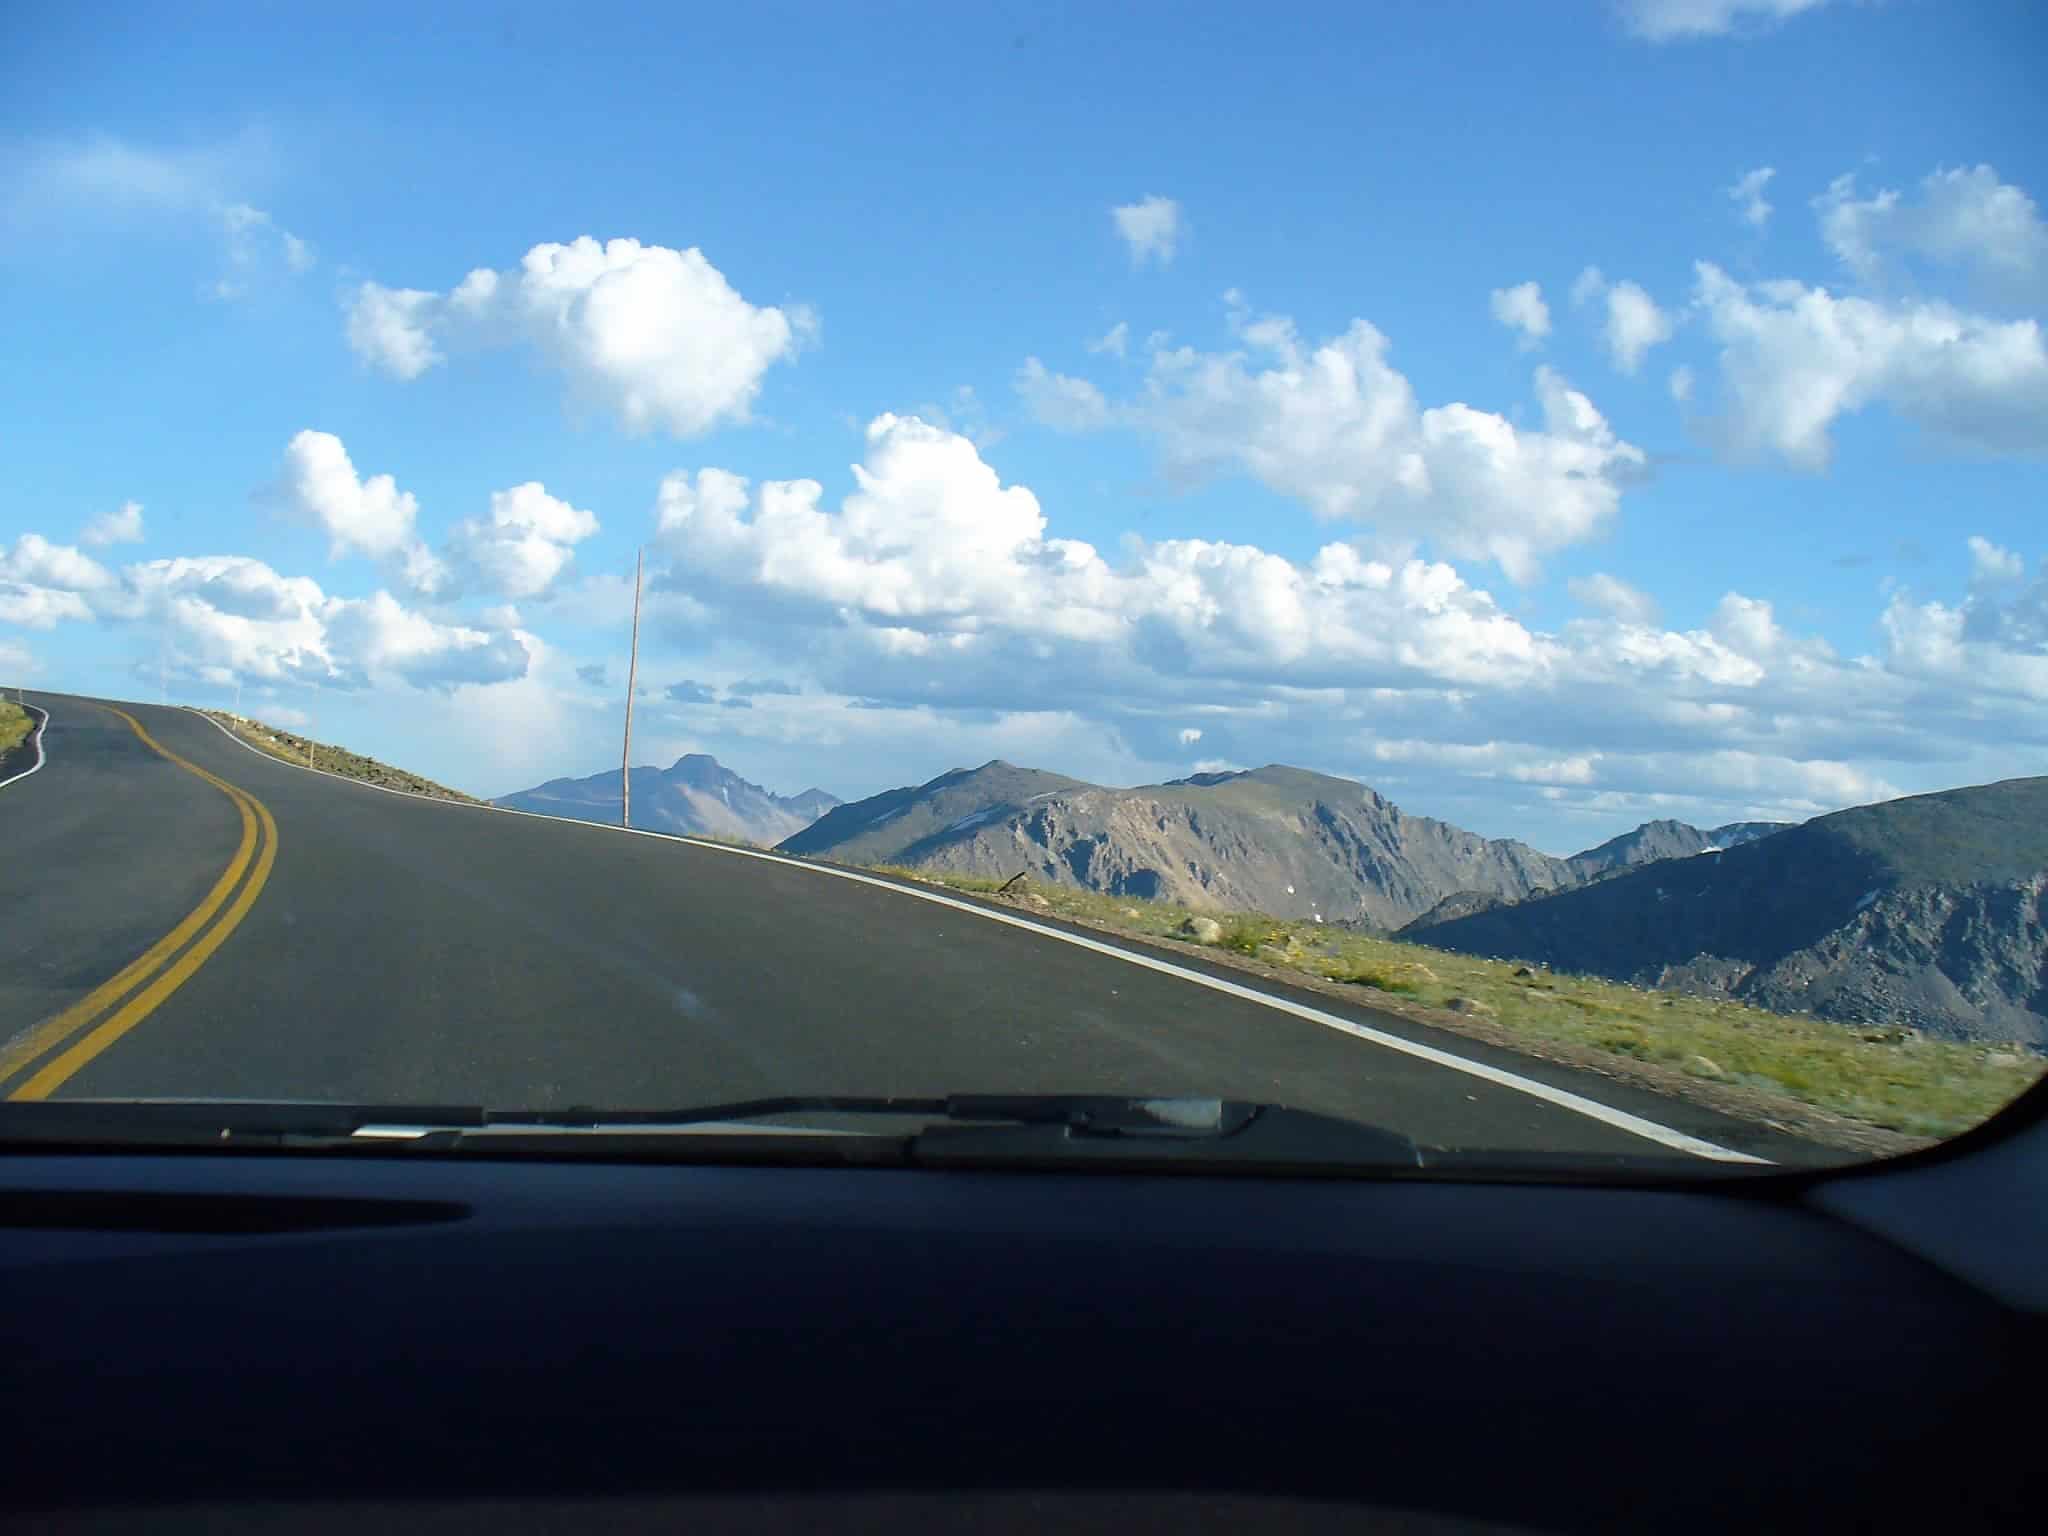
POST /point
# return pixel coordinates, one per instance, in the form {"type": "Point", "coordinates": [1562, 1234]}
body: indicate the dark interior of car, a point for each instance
{"type": "Point", "coordinates": [269, 1339]}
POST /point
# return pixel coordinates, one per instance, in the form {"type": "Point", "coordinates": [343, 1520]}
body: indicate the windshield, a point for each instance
{"type": "Point", "coordinates": [1467, 574]}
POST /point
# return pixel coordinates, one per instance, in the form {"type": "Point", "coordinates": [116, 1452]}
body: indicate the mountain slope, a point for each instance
{"type": "Point", "coordinates": [1930, 911]}
{"type": "Point", "coordinates": [1277, 839]}
{"type": "Point", "coordinates": [1655, 840]}
{"type": "Point", "coordinates": [695, 794]}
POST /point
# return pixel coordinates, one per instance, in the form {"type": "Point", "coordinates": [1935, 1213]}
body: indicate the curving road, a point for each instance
{"type": "Point", "coordinates": [182, 916]}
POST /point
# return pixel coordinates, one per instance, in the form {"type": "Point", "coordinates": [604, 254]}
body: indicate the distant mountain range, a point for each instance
{"type": "Point", "coordinates": [695, 794]}
{"type": "Point", "coordinates": [1274, 839]}
{"type": "Point", "coordinates": [1930, 912]}
{"type": "Point", "coordinates": [1655, 840]}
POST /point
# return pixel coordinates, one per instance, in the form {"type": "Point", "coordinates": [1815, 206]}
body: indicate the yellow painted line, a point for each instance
{"type": "Point", "coordinates": [54, 1031]}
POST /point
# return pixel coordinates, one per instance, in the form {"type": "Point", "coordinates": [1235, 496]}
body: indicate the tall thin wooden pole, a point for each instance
{"type": "Point", "coordinates": [632, 673]}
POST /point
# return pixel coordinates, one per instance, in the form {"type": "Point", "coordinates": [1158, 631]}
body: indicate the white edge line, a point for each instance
{"type": "Point", "coordinates": [1562, 1098]}
{"type": "Point", "coordinates": [37, 737]}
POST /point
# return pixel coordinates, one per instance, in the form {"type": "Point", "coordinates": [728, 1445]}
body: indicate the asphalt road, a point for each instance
{"type": "Point", "coordinates": [370, 947]}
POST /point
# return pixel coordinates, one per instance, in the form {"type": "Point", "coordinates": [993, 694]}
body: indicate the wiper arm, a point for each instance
{"type": "Point", "coordinates": [1083, 1114]}
{"type": "Point", "coordinates": [209, 1122]}
{"type": "Point", "coordinates": [959, 1130]}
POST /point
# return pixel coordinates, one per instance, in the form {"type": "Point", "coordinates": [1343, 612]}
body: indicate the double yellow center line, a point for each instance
{"type": "Point", "coordinates": [118, 1004]}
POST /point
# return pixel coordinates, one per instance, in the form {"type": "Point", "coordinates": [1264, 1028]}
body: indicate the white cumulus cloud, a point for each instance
{"type": "Point", "coordinates": [1960, 217]}
{"type": "Point", "coordinates": [35, 561]}
{"type": "Point", "coordinates": [390, 329]}
{"type": "Point", "coordinates": [1989, 563]}
{"type": "Point", "coordinates": [372, 517]}
{"type": "Point", "coordinates": [121, 526]}
{"type": "Point", "coordinates": [1522, 310]}
{"type": "Point", "coordinates": [934, 586]}
{"type": "Point", "coordinates": [657, 336]}
{"type": "Point", "coordinates": [227, 617]}
{"type": "Point", "coordinates": [1634, 322]}
{"type": "Point", "coordinates": [1337, 426]}
{"type": "Point", "coordinates": [44, 584]}
{"type": "Point", "coordinates": [368, 517]}
{"type": "Point", "coordinates": [1794, 359]}
{"type": "Point", "coordinates": [1150, 228]}
{"type": "Point", "coordinates": [527, 541]}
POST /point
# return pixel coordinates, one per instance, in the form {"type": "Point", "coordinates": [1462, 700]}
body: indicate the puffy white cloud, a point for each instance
{"type": "Point", "coordinates": [1189, 735]}
{"type": "Point", "coordinates": [44, 584]}
{"type": "Point", "coordinates": [1989, 563]}
{"type": "Point", "coordinates": [224, 617]}
{"type": "Point", "coordinates": [389, 328]}
{"type": "Point", "coordinates": [381, 636]}
{"type": "Point", "coordinates": [35, 607]}
{"type": "Point", "coordinates": [1794, 359]}
{"type": "Point", "coordinates": [526, 542]}
{"type": "Point", "coordinates": [929, 532]}
{"type": "Point", "coordinates": [121, 526]}
{"type": "Point", "coordinates": [1115, 341]}
{"type": "Point", "coordinates": [1748, 196]}
{"type": "Point", "coordinates": [517, 551]}
{"type": "Point", "coordinates": [932, 554]}
{"type": "Point", "coordinates": [1634, 322]}
{"type": "Point", "coordinates": [369, 517]}
{"type": "Point", "coordinates": [1335, 425]}
{"type": "Point", "coordinates": [1522, 310]}
{"type": "Point", "coordinates": [1681, 384]}
{"type": "Point", "coordinates": [1666, 21]}
{"type": "Point", "coordinates": [1994, 642]}
{"type": "Point", "coordinates": [934, 586]}
{"type": "Point", "coordinates": [1061, 401]}
{"type": "Point", "coordinates": [1614, 597]}
{"type": "Point", "coordinates": [1962, 217]}
{"type": "Point", "coordinates": [372, 517]}
{"type": "Point", "coordinates": [655, 335]}
{"type": "Point", "coordinates": [1634, 325]}
{"type": "Point", "coordinates": [1150, 228]}
{"type": "Point", "coordinates": [35, 561]}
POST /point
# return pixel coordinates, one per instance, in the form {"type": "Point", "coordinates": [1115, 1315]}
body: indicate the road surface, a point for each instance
{"type": "Point", "coordinates": [182, 916]}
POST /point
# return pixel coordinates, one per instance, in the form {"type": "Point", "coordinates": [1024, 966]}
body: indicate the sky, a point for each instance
{"type": "Point", "coordinates": [1553, 416]}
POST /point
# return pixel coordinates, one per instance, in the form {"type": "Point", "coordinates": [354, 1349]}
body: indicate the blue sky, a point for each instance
{"type": "Point", "coordinates": [1738, 511]}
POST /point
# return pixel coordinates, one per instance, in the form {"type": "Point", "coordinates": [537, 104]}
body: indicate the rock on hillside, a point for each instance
{"type": "Point", "coordinates": [1276, 839]}
{"type": "Point", "coordinates": [1927, 912]}
{"type": "Point", "coordinates": [694, 794]}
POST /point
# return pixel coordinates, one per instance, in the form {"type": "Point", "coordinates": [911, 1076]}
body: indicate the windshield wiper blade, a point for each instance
{"type": "Point", "coordinates": [210, 1122]}
{"type": "Point", "coordinates": [1085, 1114]}
{"type": "Point", "coordinates": [958, 1130]}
